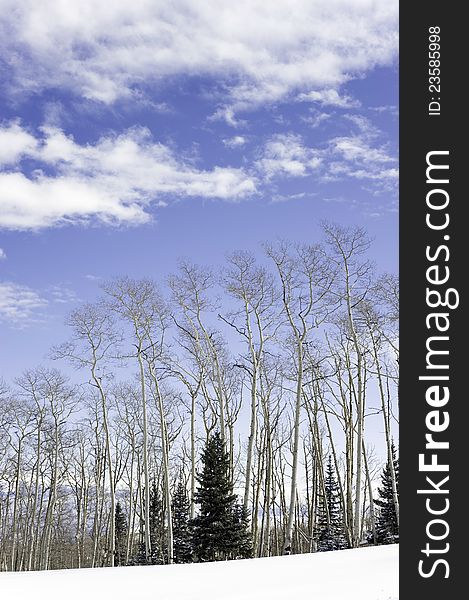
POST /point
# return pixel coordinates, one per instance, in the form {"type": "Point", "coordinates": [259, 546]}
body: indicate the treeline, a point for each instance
{"type": "Point", "coordinates": [285, 357]}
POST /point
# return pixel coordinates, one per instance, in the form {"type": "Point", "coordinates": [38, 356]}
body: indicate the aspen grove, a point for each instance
{"type": "Point", "coordinates": [288, 356]}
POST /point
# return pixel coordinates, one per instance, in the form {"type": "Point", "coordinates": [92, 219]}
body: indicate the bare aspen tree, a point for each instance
{"type": "Point", "coordinates": [305, 284]}
{"type": "Point", "coordinates": [133, 301]}
{"type": "Point", "coordinates": [353, 281]}
{"type": "Point", "coordinates": [380, 342]}
{"type": "Point", "coordinates": [370, 491]}
{"type": "Point", "coordinates": [79, 477]}
{"type": "Point", "coordinates": [23, 423]}
{"type": "Point", "coordinates": [385, 301]}
{"type": "Point", "coordinates": [384, 323]}
{"type": "Point", "coordinates": [93, 344]}
{"type": "Point", "coordinates": [62, 402]}
{"type": "Point", "coordinates": [255, 321]}
{"type": "Point", "coordinates": [154, 356]}
{"type": "Point", "coordinates": [127, 402]}
{"type": "Point", "coordinates": [192, 379]}
{"type": "Point", "coordinates": [29, 385]}
{"type": "Point", "coordinates": [341, 403]}
{"type": "Point", "coordinates": [191, 289]}
{"type": "Point", "coordinates": [93, 425]}
{"type": "Point", "coordinates": [272, 406]}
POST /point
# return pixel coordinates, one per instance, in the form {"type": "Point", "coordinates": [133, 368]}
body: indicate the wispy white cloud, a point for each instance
{"type": "Point", "coordinates": [358, 150]}
{"type": "Point", "coordinates": [286, 155]}
{"type": "Point", "coordinates": [61, 294]}
{"type": "Point", "coordinates": [276, 198]}
{"type": "Point", "coordinates": [3, 254]}
{"type": "Point", "coordinates": [103, 50]}
{"type": "Point", "coordinates": [316, 117]}
{"type": "Point", "coordinates": [361, 155]}
{"type": "Point", "coordinates": [235, 142]}
{"type": "Point", "coordinates": [93, 278]}
{"type": "Point", "coordinates": [364, 126]}
{"type": "Point", "coordinates": [356, 158]}
{"type": "Point", "coordinates": [20, 305]}
{"type": "Point", "coordinates": [113, 181]}
{"type": "Point", "coordinates": [392, 109]}
{"type": "Point", "coordinates": [329, 97]}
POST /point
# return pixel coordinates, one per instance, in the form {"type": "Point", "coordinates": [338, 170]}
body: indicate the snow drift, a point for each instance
{"type": "Point", "coordinates": [365, 574]}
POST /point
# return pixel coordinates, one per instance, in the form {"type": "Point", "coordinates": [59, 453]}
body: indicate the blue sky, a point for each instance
{"type": "Point", "coordinates": [132, 134]}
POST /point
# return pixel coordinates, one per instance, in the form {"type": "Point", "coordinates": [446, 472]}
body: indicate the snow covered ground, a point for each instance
{"type": "Point", "coordinates": [364, 574]}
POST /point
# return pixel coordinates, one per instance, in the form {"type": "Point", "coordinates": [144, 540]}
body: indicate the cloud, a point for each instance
{"type": "Point", "coordinates": [258, 54]}
{"type": "Point", "coordinates": [286, 155]}
{"type": "Point", "coordinates": [392, 109]}
{"type": "Point", "coordinates": [358, 158]}
{"type": "Point", "coordinates": [93, 278]}
{"type": "Point", "coordinates": [113, 181]}
{"type": "Point", "coordinates": [329, 97]}
{"type": "Point", "coordinates": [357, 150]}
{"type": "Point", "coordinates": [15, 142]}
{"type": "Point", "coordinates": [276, 198]}
{"type": "Point", "coordinates": [235, 142]}
{"type": "Point", "coordinates": [2, 254]}
{"type": "Point", "coordinates": [361, 155]}
{"type": "Point", "coordinates": [61, 294]}
{"type": "Point", "coordinates": [315, 118]}
{"type": "Point", "coordinates": [364, 126]}
{"type": "Point", "coordinates": [19, 304]}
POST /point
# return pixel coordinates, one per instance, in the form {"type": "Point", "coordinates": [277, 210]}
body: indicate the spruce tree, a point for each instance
{"type": "Point", "coordinates": [182, 541]}
{"type": "Point", "coordinates": [330, 529]}
{"type": "Point", "coordinates": [219, 531]}
{"type": "Point", "coordinates": [156, 527]}
{"type": "Point", "coordinates": [120, 531]}
{"type": "Point", "coordinates": [241, 534]}
{"type": "Point", "coordinates": [156, 533]}
{"type": "Point", "coordinates": [387, 530]}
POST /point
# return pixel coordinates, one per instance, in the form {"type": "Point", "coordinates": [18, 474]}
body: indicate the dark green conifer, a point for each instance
{"type": "Point", "coordinates": [120, 536]}
{"type": "Point", "coordinates": [157, 530]}
{"type": "Point", "coordinates": [242, 539]}
{"type": "Point", "coordinates": [330, 529]}
{"type": "Point", "coordinates": [182, 541]}
{"type": "Point", "coordinates": [387, 530]}
{"type": "Point", "coordinates": [219, 532]}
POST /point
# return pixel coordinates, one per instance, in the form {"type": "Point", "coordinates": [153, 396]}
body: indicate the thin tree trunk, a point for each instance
{"type": "Point", "coordinates": [146, 474]}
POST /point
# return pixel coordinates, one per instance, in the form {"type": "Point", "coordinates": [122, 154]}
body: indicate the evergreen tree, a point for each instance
{"type": "Point", "coordinates": [330, 530]}
{"type": "Point", "coordinates": [156, 533]}
{"type": "Point", "coordinates": [139, 557]}
{"type": "Point", "coordinates": [241, 534]}
{"type": "Point", "coordinates": [156, 527]}
{"type": "Point", "coordinates": [219, 532]}
{"type": "Point", "coordinates": [120, 536]}
{"type": "Point", "coordinates": [182, 542]}
{"type": "Point", "coordinates": [387, 530]}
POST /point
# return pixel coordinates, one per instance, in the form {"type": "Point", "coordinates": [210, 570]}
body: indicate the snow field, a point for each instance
{"type": "Point", "coordinates": [361, 574]}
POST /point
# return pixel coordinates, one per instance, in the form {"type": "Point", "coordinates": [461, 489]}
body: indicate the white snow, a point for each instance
{"type": "Point", "coordinates": [364, 574]}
